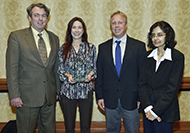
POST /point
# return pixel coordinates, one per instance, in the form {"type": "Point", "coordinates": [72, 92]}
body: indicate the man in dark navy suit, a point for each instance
{"type": "Point", "coordinates": [118, 67]}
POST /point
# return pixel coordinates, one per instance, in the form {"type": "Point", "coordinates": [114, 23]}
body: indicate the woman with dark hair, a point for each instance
{"type": "Point", "coordinates": [160, 80]}
{"type": "Point", "coordinates": [77, 51]}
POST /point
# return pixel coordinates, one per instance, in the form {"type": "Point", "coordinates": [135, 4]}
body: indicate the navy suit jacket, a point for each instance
{"type": "Point", "coordinates": [108, 85]}
{"type": "Point", "coordinates": [163, 85]}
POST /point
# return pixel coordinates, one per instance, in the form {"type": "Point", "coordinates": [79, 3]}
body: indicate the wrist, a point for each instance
{"type": "Point", "coordinates": [90, 74]}
{"type": "Point", "coordinates": [67, 75]}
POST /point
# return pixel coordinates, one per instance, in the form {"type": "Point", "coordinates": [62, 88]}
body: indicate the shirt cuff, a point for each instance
{"type": "Point", "coordinates": [148, 108]}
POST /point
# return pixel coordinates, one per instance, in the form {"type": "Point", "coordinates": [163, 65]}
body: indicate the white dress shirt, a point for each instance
{"type": "Point", "coordinates": [122, 46]}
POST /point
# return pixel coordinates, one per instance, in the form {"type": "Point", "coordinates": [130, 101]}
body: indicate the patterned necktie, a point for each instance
{"type": "Point", "coordinates": [42, 49]}
{"type": "Point", "coordinates": [118, 57]}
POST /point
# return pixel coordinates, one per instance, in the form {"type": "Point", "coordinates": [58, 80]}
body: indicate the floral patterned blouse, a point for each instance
{"type": "Point", "coordinates": [77, 90]}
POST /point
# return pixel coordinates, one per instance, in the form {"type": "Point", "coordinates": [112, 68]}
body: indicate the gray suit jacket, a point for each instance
{"type": "Point", "coordinates": [27, 77]}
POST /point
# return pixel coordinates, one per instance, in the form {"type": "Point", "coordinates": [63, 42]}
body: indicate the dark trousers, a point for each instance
{"type": "Point", "coordinates": [130, 118]}
{"type": "Point", "coordinates": [157, 127]}
{"type": "Point", "coordinates": [69, 111]}
{"type": "Point", "coordinates": [27, 117]}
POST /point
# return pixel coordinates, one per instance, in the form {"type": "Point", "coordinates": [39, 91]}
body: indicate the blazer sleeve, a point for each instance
{"type": "Point", "coordinates": [141, 53]}
{"type": "Point", "coordinates": [98, 81]}
{"type": "Point", "coordinates": [12, 66]}
{"type": "Point", "coordinates": [58, 82]}
{"type": "Point", "coordinates": [142, 86]}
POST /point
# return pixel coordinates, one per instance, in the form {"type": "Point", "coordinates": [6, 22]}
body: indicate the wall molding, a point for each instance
{"type": "Point", "coordinates": [185, 84]}
{"type": "Point", "coordinates": [100, 127]}
{"type": "Point", "coordinates": [3, 84]}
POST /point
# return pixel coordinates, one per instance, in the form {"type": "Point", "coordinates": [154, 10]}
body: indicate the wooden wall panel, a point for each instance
{"type": "Point", "coordinates": [185, 85]}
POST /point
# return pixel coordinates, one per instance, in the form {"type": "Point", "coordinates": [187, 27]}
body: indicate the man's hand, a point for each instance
{"type": "Point", "coordinates": [16, 102]}
{"type": "Point", "coordinates": [138, 105]}
{"type": "Point", "coordinates": [101, 104]}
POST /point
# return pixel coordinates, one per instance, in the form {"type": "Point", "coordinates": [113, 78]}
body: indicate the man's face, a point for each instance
{"type": "Point", "coordinates": [118, 26]}
{"type": "Point", "coordinates": [38, 19]}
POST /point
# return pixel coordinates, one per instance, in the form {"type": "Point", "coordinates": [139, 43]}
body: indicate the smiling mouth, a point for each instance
{"type": "Point", "coordinates": [40, 23]}
{"type": "Point", "coordinates": [117, 30]}
{"type": "Point", "coordinates": [77, 34]}
{"type": "Point", "coordinates": [157, 41]}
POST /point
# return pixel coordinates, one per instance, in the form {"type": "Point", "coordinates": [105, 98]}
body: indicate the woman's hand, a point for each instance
{"type": "Point", "coordinates": [151, 117]}
{"type": "Point", "coordinates": [159, 119]}
{"type": "Point", "coordinates": [70, 78]}
{"type": "Point", "coordinates": [89, 76]}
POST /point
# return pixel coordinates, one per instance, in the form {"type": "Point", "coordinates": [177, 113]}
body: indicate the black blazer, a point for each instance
{"type": "Point", "coordinates": [162, 85]}
{"type": "Point", "coordinates": [108, 85]}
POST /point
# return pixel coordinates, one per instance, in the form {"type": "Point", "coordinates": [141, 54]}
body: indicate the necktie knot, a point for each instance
{"type": "Point", "coordinates": [118, 42]}
{"type": "Point", "coordinates": [40, 35]}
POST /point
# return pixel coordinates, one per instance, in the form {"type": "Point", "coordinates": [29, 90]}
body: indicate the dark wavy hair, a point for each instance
{"type": "Point", "coordinates": [69, 39]}
{"type": "Point", "coordinates": [168, 30]}
{"type": "Point", "coordinates": [40, 5]}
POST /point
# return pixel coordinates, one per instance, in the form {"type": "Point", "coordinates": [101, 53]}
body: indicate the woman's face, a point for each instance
{"type": "Point", "coordinates": [158, 37]}
{"type": "Point", "coordinates": [77, 30]}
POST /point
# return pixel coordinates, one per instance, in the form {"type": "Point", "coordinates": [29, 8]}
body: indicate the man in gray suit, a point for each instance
{"type": "Point", "coordinates": [31, 65]}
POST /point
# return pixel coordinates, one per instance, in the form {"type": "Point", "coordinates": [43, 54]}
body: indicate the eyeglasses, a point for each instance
{"type": "Point", "coordinates": [159, 35]}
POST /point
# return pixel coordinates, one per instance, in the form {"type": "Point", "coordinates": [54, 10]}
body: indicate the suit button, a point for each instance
{"type": "Point", "coordinates": [44, 81]}
{"type": "Point", "coordinates": [117, 90]}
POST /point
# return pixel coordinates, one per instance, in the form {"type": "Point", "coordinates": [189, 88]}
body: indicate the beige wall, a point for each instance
{"type": "Point", "coordinates": [141, 15]}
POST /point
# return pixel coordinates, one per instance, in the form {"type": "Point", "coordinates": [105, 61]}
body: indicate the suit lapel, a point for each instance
{"type": "Point", "coordinates": [128, 55]}
{"type": "Point", "coordinates": [53, 51]}
{"type": "Point", "coordinates": [151, 64]}
{"type": "Point", "coordinates": [32, 44]}
{"type": "Point", "coordinates": [164, 64]}
{"type": "Point", "coordinates": [109, 55]}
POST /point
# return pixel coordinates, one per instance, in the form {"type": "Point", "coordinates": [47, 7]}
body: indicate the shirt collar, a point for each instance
{"type": "Point", "coordinates": [123, 39]}
{"type": "Point", "coordinates": [35, 32]}
{"type": "Point", "coordinates": [167, 54]}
